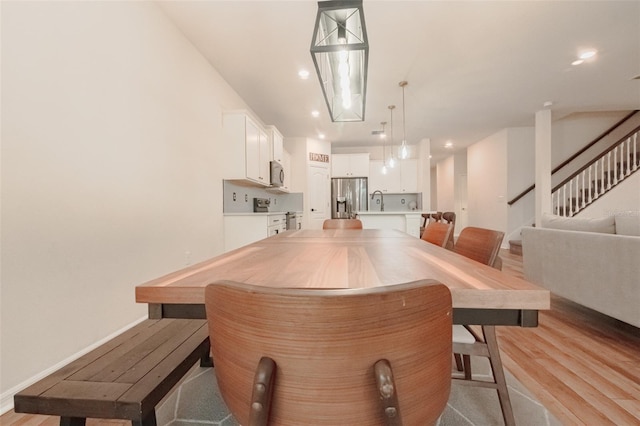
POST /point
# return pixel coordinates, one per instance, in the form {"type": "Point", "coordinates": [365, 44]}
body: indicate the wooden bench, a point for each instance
{"type": "Point", "coordinates": [125, 378]}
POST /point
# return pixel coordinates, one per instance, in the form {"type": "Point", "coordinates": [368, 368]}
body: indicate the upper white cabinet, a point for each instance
{"type": "Point", "coordinates": [408, 175]}
{"type": "Point", "coordinates": [247, 146]}
{"type": "Point", "coordinates": [403, 178]}
{"type": "Point", "coordinates": [389, 182]}
{"type": "Point", "coordinates": [276, 144]}
{"type": "Point", "coordinates": [350, 165]}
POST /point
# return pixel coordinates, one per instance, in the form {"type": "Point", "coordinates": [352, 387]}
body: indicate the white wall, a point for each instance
{"type": "Point", "coordinates": [434, 188]}
{"type": "Point", "coordinates": [111, 125]}
{"type": "Point", "coordinates": [446, 185]}
{"type": "Point", "coordinates": [520, 176]}
{"type": "Point", "coordinates": [625, 198]}
{"type": "Point", "coordinates": [487, 182]}
{"type": "Point", "coordinates": [299, 149]}
{"type": "Point", "coordinates": [576, 130]}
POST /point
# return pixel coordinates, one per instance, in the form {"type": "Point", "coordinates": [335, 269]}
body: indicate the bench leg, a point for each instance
{"type": "Point", "coordinates": [150, 420]}
{"type": "Point", "coordinates": [72, 421]}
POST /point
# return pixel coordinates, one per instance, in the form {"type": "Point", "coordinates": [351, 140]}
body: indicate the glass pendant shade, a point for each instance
{"type": "Point", "coordinates": [340, 52]}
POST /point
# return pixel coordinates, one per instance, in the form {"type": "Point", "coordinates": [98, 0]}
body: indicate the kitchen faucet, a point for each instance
{"type": "Point", "coordinates": [373, 194]}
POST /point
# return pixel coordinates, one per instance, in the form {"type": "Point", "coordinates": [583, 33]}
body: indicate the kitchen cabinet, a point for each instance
{"type": "Point", "coordinates": [408, 222]}
{"type": "Point", "coordinates": [243, 229]}
{"type": "Point", "coordinates": [389, 182]}
{"type": "Point", "coordinates": [350, 165]}
{"type": "Point", "coordinates": [403, 178]}
{"type": "Point", "coordinates": [247, 148]}
{"type": "Point", "coordinates": [408, 175]}
{"type": "Point", "coordinates": [277, 144]}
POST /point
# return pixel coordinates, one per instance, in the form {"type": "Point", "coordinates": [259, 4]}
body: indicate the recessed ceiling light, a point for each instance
{"type": "Point", "coordinates": [315, 113]}
{"type": "Point", "coordinates": [303, 74]}
{"type": "Point", "coordinates": [449, 144]}
{"type": "Point", "coordinates": [321, 135]}
{"type": "Point", "coordinates": [585, 55]}
{"type": "Point", "coordinates": [588, 54]}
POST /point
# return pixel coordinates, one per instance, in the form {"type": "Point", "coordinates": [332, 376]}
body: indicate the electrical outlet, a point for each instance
{"type": "Point", "coordinates": [187, 257]}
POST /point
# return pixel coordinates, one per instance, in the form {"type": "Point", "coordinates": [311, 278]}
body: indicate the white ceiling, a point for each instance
{"type": "Point", "coordinates": [473, 67]}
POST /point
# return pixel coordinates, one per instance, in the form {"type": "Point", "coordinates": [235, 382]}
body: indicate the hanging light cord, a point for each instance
{"type": "Point", "coordinates": [403, 148]}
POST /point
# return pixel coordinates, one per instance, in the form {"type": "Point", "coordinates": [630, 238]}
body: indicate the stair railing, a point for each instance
{"type": "Point", "coordinates": [597, 177]}
{"type": "Point", "coordinates": [577, 154]}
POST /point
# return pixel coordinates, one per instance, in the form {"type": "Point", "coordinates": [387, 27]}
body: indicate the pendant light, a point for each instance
{"type": "Point", "coordinates": [340, 52]}
{"type": "Point", "coordinates": [404, 151]}
{"type": "Point", "coordinates": [392, 160]}
{"type": "Point", "coordinates": [383, 135]}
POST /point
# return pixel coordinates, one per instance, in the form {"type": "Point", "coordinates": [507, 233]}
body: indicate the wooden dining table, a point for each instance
{"type": "Point", "coordinates": [347, 258]}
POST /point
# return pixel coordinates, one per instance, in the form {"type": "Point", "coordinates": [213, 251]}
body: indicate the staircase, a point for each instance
{"type": "Point", "coordinates": [596, 178]}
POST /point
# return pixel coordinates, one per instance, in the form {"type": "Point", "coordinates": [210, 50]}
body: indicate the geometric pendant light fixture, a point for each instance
{"type": "Point", "coordinates": [340, 52]}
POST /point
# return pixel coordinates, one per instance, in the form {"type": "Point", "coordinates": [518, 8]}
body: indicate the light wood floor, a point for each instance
{"type": "Point", "coordinates": [584, 367]}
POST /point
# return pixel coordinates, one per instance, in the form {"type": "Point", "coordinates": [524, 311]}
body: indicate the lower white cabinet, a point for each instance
{"type": "Point", "coordinates": [408, 222]}
{"type": "Point", "coordinates": [243, 229]}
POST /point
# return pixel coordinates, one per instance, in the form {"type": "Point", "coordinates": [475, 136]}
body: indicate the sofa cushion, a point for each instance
{"type": "Point", "coordinates": [628, 223]}
{"type": "Point", "coordinates": [604, 225]}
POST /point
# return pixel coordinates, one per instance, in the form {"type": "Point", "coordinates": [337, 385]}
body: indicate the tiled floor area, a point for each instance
{"type": "Point", "coordinates": [197, 402]}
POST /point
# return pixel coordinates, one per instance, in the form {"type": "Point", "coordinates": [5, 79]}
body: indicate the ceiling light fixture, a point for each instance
{"type": "Point", "coordinates": [404, 151]}
{"type": "Point", "coordinates": [315, 113]}
{"type": "Point", "coordinates": [340, 52]}
{"type": "Point", "coordinates": [303, 74]}
{"type": "Point", "coordinates": [585, 56]}
{"type": "Point", "coordinates": [392, 160]}
{"type": "Point", "coordinates": [384, 150]}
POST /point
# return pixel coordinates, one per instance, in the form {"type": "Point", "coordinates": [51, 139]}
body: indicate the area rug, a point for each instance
{"type": "Point", "coordinates": [197, 401]}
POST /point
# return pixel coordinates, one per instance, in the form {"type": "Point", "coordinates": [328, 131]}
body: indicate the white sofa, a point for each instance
{"type": "Point", "coordinates": [593, 262]}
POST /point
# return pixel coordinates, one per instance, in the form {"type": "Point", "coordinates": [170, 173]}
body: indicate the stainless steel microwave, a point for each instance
{"type": "Point", "coordinates": [277, 174]}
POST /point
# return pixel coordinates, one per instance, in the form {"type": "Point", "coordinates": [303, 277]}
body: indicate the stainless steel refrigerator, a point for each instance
{"type": "Point", "coordinates": [348, 196]}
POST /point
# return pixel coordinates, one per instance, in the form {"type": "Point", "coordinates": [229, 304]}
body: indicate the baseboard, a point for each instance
{"type": "Point", "coordinates": [6, 399]}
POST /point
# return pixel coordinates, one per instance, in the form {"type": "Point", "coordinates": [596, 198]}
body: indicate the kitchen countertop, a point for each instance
{"type": "Point", "coordinates": [258, 213]}
{"type": "Point", "coordinates": [403, 212]}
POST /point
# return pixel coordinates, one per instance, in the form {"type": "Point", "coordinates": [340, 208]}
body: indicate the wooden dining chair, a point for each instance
{"type": "Point", "coordinates": [342, 224]}
{"type": "Point", "coordinates": [482, 245]}
{"type": "Point", "coordinates": [479, 244]}
{"type": "Point", "coordinates": [289, 356]}
{"type": "Point", "coordinates": [437, 233]}
{"type": "Point", "coordinates": [450, 218]}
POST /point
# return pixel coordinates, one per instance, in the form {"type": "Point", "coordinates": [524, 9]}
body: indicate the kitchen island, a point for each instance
{"type": "Point", "coordinates": [408, 221]}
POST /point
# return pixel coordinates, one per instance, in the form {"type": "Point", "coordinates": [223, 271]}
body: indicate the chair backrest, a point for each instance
{"type": "Point", "coordinates": [437, 216]}
{"type": "Point", "coordinates": [325, 344]}
{"type": "Point", "coordinates": [480, 244]}
{"type": "Point", "coordinates": [342, 224]}
{"type": "Point", "coordinates": [449, 217]}
{"type": "Point", "coordinates": [437, 233]}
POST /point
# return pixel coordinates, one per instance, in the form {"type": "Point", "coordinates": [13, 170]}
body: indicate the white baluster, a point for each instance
{"type": "Point", "coordinates": [608, 170]}
{"type": "Point", "coordinates": [590, 185]}
{"type": "Point", "coordinates": [635, 151]}
{"type": "Point", "coordinates": [564, 199]}
{"type": "Point", "coordinates": [627, 159]}
{"type": "Point", "coordinates": [582, 194]}
{"type": "Point", "coordinates": [615, 165]}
